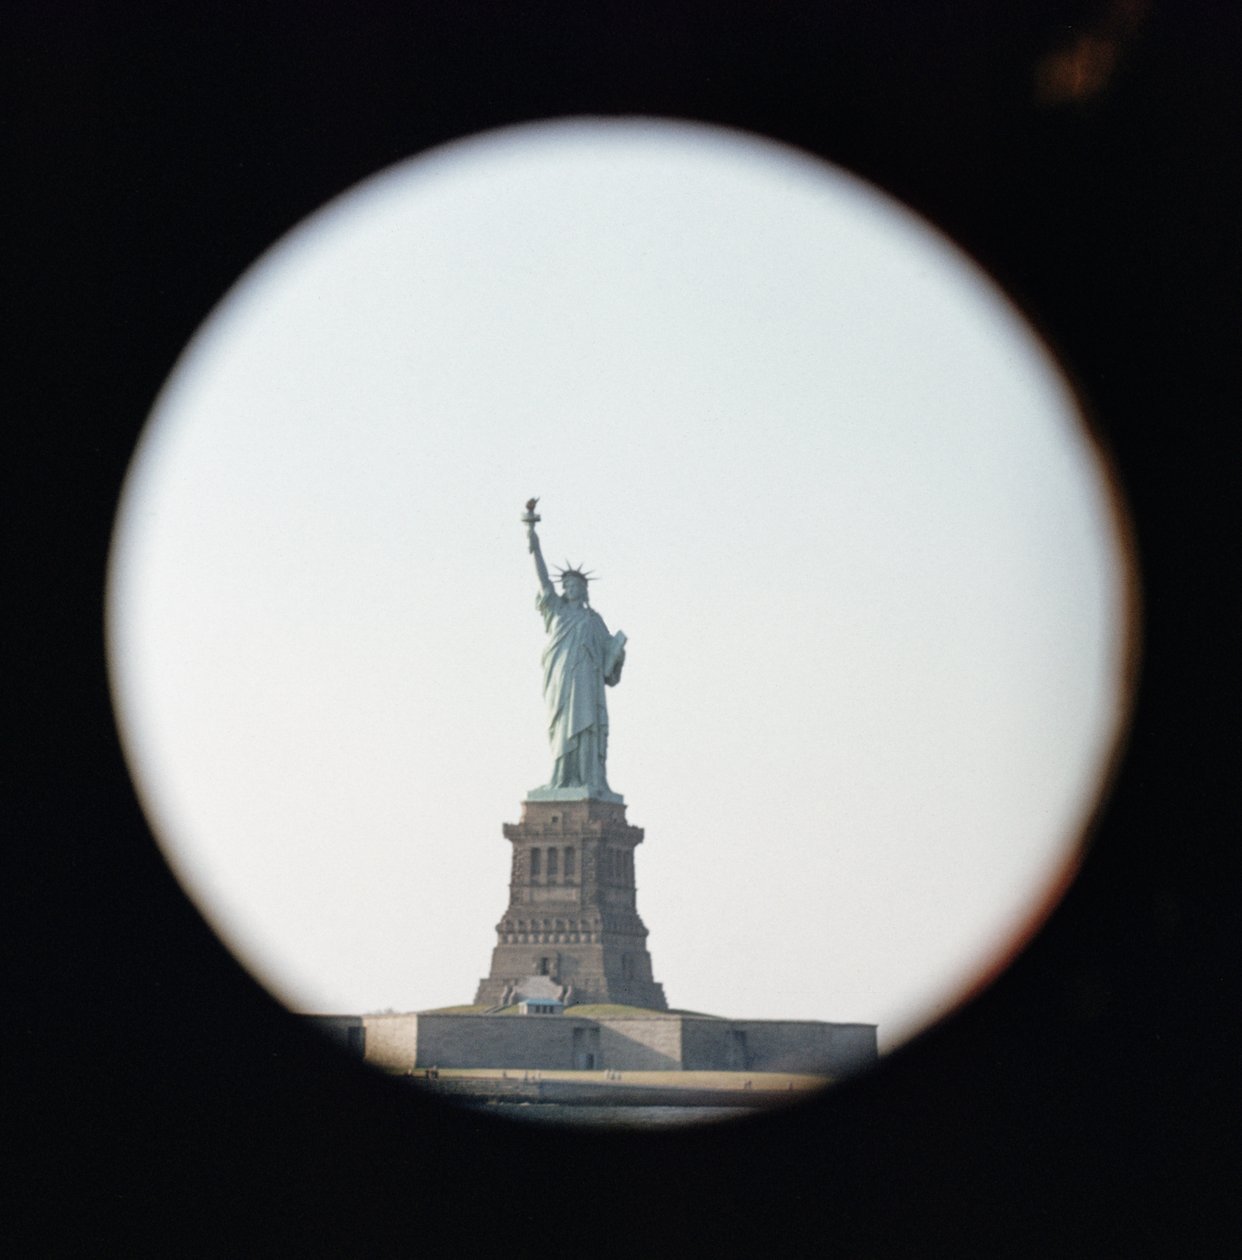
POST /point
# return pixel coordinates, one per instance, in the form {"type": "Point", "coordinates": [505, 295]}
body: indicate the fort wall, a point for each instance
{"type": "Point", "coordinates": [668, 1042]}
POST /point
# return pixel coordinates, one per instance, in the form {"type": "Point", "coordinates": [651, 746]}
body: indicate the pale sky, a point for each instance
{"type": "Point", "coordinates": [839, 499]}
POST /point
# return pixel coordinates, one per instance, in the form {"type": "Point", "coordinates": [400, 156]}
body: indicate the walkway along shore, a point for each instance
{"type": "Point", "coordinates": [757, 1090]}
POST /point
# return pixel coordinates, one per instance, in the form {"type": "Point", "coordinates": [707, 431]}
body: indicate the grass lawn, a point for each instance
{"type": "Point", "coordinates": [595, 1010]}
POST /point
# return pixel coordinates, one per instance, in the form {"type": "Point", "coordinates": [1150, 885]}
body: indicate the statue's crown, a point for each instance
{"type": "Point", "coordinates": [573, 570]}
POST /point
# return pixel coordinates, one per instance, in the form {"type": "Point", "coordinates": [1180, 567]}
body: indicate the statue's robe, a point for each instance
{"type": "Point", "coordinates": [580, 659]}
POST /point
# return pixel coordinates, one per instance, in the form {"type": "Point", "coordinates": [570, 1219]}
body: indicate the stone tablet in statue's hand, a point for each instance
{"type": "Point", "coordinates": [615, 656]}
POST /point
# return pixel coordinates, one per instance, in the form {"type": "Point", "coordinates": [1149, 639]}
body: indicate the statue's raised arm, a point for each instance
{"type": "Point", "coordinates": [531, 518]}
{"type": "Point", "coordinates": [580, 659]}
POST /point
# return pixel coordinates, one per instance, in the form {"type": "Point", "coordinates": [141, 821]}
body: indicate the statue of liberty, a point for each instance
{"type": "Point", "coordinates": [581, 659]}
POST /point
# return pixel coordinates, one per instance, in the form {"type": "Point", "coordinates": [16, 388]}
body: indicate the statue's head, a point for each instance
{"type": "Point", "coordinates": [574, 583]}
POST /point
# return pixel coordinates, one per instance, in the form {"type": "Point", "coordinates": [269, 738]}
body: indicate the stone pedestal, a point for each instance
{"type": "Point", "coordinates": [572, 913]}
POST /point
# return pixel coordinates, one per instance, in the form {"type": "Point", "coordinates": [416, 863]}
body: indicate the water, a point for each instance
{"type": "Point", "coordinates": [615, 1117]}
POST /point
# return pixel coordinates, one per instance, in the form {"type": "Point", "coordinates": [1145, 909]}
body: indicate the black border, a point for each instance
{"type": "Point", "coordinates": [1084, 152]}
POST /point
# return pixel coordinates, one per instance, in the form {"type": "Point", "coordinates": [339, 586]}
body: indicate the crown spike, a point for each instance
{"type": "Point", "coordinates": [577, 570]}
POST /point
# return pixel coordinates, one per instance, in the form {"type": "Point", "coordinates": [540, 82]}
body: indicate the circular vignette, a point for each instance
{"type": "Point", "coordinates": [876, 575]}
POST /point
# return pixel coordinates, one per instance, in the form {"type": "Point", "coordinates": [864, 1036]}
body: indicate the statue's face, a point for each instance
{"type": "Point", "coordinates": [574, 588]}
